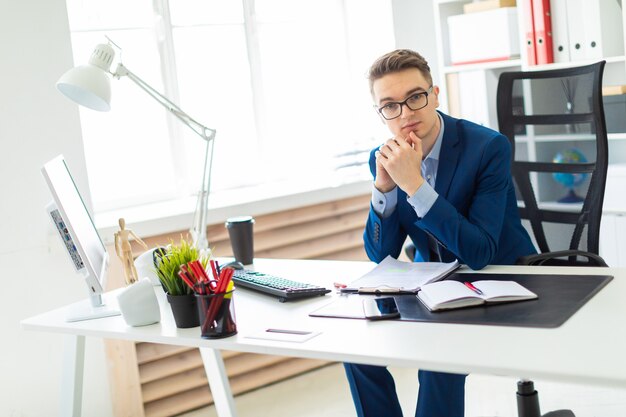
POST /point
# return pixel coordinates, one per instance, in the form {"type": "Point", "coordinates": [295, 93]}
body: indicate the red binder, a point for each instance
{"type": "Point", "coordinates": [543, 31]}
{"type": "Point", "coordinates": [529, 31]}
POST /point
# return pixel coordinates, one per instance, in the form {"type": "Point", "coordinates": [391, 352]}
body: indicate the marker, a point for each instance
{"type": "Point", "coordinates": [471, 287]}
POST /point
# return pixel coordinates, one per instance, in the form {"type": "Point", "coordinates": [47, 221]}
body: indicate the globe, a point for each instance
{"type": "Point", "coordinates": [570, 181]}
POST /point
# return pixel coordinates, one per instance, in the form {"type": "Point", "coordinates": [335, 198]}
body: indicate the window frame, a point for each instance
{"type": "Point", "coordinates": [164, 34]}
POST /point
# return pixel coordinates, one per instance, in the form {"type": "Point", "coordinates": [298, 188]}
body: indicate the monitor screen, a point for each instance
{"type": "Point", "coordinates": [79, 235]}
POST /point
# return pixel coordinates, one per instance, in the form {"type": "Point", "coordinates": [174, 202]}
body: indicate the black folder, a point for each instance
{"type": "Point", "coordinates": [560, 296]}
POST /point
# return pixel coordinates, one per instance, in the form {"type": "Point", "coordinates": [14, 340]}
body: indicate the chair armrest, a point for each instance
{"type": "Point", "coordinates": [554, 258]}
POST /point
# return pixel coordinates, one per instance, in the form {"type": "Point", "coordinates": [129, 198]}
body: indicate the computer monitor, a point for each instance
{"type": "Point", "coordinates": [81, 239]}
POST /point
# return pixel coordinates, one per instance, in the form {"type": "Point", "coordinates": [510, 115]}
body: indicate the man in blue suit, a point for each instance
{"type": "Point", "coordinates": [446, 184]}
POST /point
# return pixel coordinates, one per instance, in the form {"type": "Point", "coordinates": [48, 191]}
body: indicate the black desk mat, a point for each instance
{"type": "Point", "coordinates": [560, 296]}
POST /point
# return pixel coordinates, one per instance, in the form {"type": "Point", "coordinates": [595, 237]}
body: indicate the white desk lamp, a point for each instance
{"type": "Point", "coordinates": [90, 86]}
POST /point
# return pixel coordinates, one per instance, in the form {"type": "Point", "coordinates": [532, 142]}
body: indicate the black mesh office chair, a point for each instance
{"type": "Point", "coordinates": [546, 114]}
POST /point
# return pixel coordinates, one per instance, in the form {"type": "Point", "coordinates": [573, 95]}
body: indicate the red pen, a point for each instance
{"type": "Point", "coordinates": [471, 287]}
{"type": "Point", "coordinates": [198, 270]}
{"type": "Point", "coordinates": [214, 270]}
{"type": "Point", "coordinates": [182, 275]}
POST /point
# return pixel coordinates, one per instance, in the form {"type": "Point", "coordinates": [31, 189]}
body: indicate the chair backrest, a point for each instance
{"type": "Point", "coordinates": [556, 119]}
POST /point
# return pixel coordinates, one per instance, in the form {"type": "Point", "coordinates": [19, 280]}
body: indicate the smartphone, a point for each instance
{"type": "Point", "coordinates": [380, 308]}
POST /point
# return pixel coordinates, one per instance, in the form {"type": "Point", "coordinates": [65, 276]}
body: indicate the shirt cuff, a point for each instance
{"type": "Point", "coordinates": [384, 203]}
{"type": "Point", "coordinates": [423, 199]}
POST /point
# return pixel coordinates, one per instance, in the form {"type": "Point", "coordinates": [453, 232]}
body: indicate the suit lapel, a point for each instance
{"type": "Point", "coordinates": [448, 157]}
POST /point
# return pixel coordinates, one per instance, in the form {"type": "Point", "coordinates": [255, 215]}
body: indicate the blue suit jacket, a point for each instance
{"type": "Point", "coordinates": [475, 217]}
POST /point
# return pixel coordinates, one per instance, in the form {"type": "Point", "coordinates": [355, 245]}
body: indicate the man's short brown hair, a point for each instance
{"type": "Point", "coordinates": [398, 60]}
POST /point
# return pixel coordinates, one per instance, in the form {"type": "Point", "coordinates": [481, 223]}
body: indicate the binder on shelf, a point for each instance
{"type": "Point", "coordinates": [576, 29]}
{"type": "Point", "coordinates": [604, 34]}
{"type": "Point", "coordinates": [543, 31]}
{"type": "Point", "coordinates": [560, 36]}
{"type": "Point", "coordinates": [595, 29]}
{"type": "Point", "coordinates": [529, 32]}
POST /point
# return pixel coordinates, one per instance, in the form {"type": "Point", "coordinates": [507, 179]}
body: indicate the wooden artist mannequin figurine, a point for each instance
{"type": "Point", "coordinates": [125, 251]}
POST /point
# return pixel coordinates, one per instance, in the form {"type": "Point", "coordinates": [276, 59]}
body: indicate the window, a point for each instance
{"type": "Point", "coordinates": [282, 81]}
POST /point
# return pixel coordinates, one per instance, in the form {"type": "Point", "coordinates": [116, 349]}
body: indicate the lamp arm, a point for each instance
{"type": "Point", "coordinates": [198, 230]}
{"type": "Point", "coordinates": [201, 130]}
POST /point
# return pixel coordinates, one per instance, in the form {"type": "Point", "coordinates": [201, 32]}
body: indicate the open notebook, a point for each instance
{"type": "Point", "coordinates": [445, 295]}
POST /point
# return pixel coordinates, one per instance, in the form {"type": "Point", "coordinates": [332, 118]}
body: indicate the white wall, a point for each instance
{"type": "Point", "coordinates": [414, 28]}
{"type": "Point", "coordinates": [36, 124]}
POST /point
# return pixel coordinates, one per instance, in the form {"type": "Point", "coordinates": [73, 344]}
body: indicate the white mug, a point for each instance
{"type": "Point", "coordinates": [138, 304]}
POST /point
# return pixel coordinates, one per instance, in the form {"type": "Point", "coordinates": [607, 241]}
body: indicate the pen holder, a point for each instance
{"type": "Point", "coordinates": [217, 315]}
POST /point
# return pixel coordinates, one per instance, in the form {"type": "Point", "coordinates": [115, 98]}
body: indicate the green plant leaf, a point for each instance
{"type": "Point", "coordinates": [169, 266]}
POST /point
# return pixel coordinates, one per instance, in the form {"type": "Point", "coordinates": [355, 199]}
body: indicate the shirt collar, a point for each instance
{"type": "Point", "coordinates": [436, 150]}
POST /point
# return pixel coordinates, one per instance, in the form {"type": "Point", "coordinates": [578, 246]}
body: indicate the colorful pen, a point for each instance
{"type": "Point", "coordinates": [471, 287]}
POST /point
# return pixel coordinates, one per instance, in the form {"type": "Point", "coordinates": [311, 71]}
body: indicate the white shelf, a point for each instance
{"type": "Point", "coordinates": [553, 205]}
{"type": "Point", "coordinates": [620, 59]}
{"type": "Point", "coordinates": [616, 136]}
{"type": "Point", "coordinates": [511, 63]}
{"type": "Point", "coordinates": [451, 1]}
{"type": "Point", "coordinates": [565, 137]}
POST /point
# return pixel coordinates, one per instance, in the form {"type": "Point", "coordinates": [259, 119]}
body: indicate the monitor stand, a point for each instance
{"type": "Point", "coordinates": [93, 308]}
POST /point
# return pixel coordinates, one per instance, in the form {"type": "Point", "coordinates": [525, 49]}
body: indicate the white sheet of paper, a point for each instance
{"type": "Point", "coordinates": [346, 306]}
{"type": "Point", "coordinates": [403, 275]}
{"type": "Point", "coordinates": [283, 335]}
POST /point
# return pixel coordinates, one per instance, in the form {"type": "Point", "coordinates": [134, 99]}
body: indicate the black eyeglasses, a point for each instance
{"type": "Point", "coordinates": [414, 102]}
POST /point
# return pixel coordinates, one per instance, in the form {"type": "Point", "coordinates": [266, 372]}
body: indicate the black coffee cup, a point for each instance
{"type": "Point", "coordinates": [241, 238]}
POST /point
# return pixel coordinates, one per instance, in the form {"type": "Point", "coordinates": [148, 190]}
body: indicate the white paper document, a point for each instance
{"type": "Point", "coordinates": [283, 335]}
{"type": "Point", "coordinates": [392, 275]}
{"type": "Point", "coordinates": [346, 307]}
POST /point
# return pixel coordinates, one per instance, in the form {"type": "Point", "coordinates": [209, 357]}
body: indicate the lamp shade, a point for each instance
{"type": "Point", "coordinates": [89, 85]}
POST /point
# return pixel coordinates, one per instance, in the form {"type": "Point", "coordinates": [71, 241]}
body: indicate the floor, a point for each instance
{"type": "Point", "coordinates": [325, 393]}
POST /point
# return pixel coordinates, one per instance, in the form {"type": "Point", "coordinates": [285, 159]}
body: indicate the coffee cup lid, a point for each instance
{"type": "Point", "coordinates": [239, 219]}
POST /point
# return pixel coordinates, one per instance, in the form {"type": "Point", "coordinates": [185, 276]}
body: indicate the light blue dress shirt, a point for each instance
{"type": "Point", "coordinates": [385, 203]}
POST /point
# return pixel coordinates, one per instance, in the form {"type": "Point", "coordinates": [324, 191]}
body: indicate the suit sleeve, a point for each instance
{"type": "Point", "coordinates": [474, 237]}
{"type": "Point", "coordinates": [382, 236]}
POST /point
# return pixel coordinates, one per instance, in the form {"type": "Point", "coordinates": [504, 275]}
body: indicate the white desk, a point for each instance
{"type": "Point", "coordinates": [588, 348]}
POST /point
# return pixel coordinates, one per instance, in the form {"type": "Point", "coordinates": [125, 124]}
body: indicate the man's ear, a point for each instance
{"type": "Point", "coordinates": [436, 94]}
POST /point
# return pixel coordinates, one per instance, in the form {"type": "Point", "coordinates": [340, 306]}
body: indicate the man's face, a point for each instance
{"type": "Point", "coordinates": [397, 87]}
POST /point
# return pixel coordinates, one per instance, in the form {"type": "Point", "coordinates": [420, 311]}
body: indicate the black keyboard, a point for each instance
{"type": "Point", "coordinates": [284, 289]}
